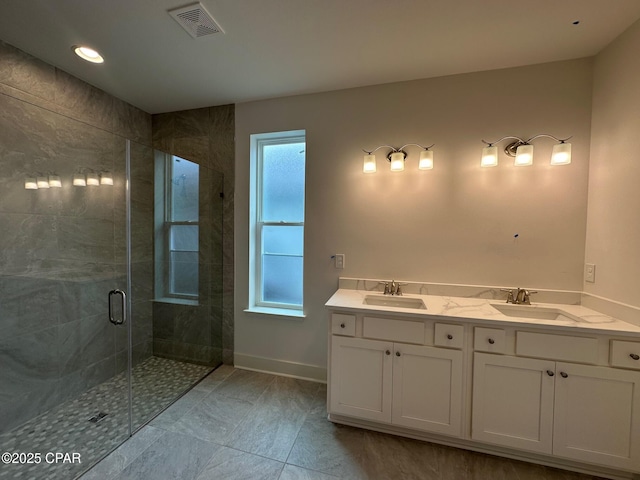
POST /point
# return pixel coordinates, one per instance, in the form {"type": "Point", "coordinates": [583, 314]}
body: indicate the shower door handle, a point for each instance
{"type": "Point", "coordinates": [123, 299]}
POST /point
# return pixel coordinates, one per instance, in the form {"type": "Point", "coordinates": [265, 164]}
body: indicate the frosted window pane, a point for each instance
{"type": "Point", "coordinates": [283, 182]}
{"type": "Point", "coordinates": [184, 273]}
{"type": "Point", "coordinates": [184, 238]}
{"type": "Point", "coordinates": [282, 239]}
{"type": "Point", "coordinates": [282, 279]}
{"type": "Point", "coordinates": [185, 177]}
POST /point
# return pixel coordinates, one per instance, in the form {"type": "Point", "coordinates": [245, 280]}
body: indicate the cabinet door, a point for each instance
{"type": "Point", "coordinates": [597, 415]}
{"type": "Point", "coordinates": [427, 388]}
{"type": "Point", "coordinates": [361, 378]}
{"type": "Point", "coordinates": [513, 401]}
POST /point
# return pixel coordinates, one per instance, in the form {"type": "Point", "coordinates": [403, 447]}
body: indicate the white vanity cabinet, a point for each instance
{"type": "Point", "coordinates": [561, 391]}
{"type": "Point", "coordinates": [597, 415]}
{"type": "Point", "coordinates": [513, 401]}
{"type": "Point", "coordinates": [427, 389]}
{"type": "Point", "coordinates": [410, 385]}
{"type": "Point", "coordinates": [361, 378]}
{"type": "Point", "coordinates": [587, 413]}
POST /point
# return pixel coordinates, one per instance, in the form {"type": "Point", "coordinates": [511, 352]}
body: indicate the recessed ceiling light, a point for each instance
{"type": "Point", "coordinates": [88, 54]}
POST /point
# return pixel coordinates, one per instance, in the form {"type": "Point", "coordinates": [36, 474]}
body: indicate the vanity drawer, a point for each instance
{"type": "Point", "coordinates": [625, 354]}
{"type": "Point", "coordinates": [342, 324]}
{"type": "Point", "coordinates": [393, 330]}
{"type": "Point", "coordinates": [489, 340]}
{"type": "Point", "coordinates": [557, 347]}
{"type": "Point", "coordinates": [447, 335]}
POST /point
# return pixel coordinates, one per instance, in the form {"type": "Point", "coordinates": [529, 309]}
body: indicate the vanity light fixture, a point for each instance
{"type": "Point", "coordinates": [88, 54]}
{"type": "Point", "coordinates": [396, 157]}
{"type": "Point", "coordinates": [522, 150]}
{"type": "Point", "coordinates": [106, 178]}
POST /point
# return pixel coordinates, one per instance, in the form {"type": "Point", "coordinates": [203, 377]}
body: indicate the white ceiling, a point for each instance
{"type": "Point", "coordinates": [274, 48]}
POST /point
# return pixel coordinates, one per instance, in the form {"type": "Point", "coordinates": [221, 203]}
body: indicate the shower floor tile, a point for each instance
{"type": "Point", "coordinates": [67, 428]}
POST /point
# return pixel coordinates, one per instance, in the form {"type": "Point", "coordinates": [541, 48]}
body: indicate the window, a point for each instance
{"type": "Point", "coordinates": [177, 193]}
{"type": "Point", "coordinates": [277, 222]}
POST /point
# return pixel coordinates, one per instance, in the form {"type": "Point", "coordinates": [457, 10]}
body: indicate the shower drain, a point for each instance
{"type": "Point", "coordinates": [98, 417]}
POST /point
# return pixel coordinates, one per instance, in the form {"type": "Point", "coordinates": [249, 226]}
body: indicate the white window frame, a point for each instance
{"type": "Point", "coordinates": [256, 225]}
{"type": "Point", "coordinates": [164, 189]}
{"type": "Point", "coordinates": [168, 223]}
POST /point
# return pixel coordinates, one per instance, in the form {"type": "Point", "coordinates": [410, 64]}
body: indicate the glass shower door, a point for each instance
{"type": "Point", "coordinates": [63, 381]}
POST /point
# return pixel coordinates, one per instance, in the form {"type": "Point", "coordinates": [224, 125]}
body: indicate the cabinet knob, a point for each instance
{"type": "Point", "coordinates": [397, 354]}
{"type": "Point", "coordinates": [563, 375]}
{"type": "Point", "coordinates": [387, 352]}
{"type": "Point", "coordinates": [450, 337]}
{"type": "Point", "coordinates": [342, 325]}
{"type": "Point", "coordinates": [491, 341]}
{"type": "Point", "coordinates": [635, 356]}
{"type": "Point", "coordinates": [550, 373]}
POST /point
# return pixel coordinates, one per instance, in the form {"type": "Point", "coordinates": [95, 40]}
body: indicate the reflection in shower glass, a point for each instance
{"type": "Point", "coordinates": [181, 227]}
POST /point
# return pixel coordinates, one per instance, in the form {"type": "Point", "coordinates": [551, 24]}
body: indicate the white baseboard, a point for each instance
{"type": "Point", "coordinates": [280, 367]}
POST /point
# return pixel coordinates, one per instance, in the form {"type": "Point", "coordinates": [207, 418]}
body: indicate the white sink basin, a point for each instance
{"type": "Point", "coordinates": [540, 313]}
{"type": "Point", "coordinates": [396, 302]}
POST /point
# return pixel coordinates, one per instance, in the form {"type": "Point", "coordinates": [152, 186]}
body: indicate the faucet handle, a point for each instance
{"type": "Point", "coordinates": [387, 291]}
{"type": "Point", "coordinates": [398, 285]}
{"type": "Point", "coordinates": [510, 298]}
{"type": "Point", "coordinates": [526, 300]}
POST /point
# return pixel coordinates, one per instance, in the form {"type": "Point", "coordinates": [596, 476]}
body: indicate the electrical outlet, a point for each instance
{"type": "Point", "coordinates": [339, 260]}
{"type": "Point", "coordinates": [590, 273]}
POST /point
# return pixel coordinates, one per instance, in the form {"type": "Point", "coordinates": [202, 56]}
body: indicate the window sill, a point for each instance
{"type": "Point", "coordinates": [177, 301]}
{"type": "Point", "coordinates": [281, 312]}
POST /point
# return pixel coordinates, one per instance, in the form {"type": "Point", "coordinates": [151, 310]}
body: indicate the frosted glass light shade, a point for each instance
{"type": "Point", "coordinates": [92, 179]}
{"type": "Point", "coordinates": [524, 156]}
{"type": "Point", "coordinates": [561, 154]}
{"type": "Point", "coordinates": [30, 183]}
{"type": "Point", "coordinates": [489, 156]}
{"type": "Point", "coordinates": [54, 181]}
{"type": "Point", "coordinates": [106, 178]}
{"type": "Point", "coordinates": [43, 182]}
{"type": "Point", "coordinates": [397, 162]}
{"type": "Point", "coordinates": [426, 160]}
{"type": "Point", "coordinates": [79, 180]}
{"type": "Point", "coordinates": [369, 165]}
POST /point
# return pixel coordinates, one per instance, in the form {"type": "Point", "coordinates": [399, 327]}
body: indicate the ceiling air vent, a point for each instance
{"type": "Point", "coordinates": [195, 20]}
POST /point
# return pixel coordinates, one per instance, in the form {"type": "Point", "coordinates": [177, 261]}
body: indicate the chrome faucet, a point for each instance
{"type": "Point", "coordinates": [519, 296]}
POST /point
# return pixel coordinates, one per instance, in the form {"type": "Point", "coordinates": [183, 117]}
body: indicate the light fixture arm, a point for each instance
{"type": "Point", "coordinates": [504, 138]}
{"type": "Point", "coordinates": [393, 149]}
{"type": "Point", "coordinates": [416, 145]}
{"type": "Point", "coordinates": [561, 140]}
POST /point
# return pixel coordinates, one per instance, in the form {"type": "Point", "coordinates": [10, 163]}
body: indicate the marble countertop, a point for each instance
{"type": "Point", "coordinates": [479, 309]}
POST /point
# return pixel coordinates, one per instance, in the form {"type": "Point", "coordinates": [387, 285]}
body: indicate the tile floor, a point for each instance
{"type": "Point", "coordinates": [156, 383]}
{"type": "Point", "coordinates": [238, 424]}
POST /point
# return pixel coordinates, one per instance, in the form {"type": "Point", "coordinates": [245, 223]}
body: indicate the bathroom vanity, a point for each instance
{"type": "Point", "coordinates": [556, 384]}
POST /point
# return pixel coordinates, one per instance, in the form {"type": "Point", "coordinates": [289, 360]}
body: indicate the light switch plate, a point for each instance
{"type": "Point", "coordinates": [590, 273]}
{"type": "Point", "coordinates": [339, 260]}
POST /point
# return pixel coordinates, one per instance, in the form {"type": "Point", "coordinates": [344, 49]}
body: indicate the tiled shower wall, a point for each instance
{"type": "Point", "coordinates": [204, 136]}
{"type": "Point", "coordinates": [62, 250]}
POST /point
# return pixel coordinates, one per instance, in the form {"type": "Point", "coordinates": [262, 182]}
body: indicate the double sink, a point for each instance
{"type": "Point", "coordinates": [510, 310]}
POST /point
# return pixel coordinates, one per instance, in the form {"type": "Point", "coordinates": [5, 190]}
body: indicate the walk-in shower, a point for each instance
{"type": "Point", "coordinates": [110, 286]}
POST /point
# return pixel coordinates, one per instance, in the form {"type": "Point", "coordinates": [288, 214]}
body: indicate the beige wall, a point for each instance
{"type": "Point", "coordinates": [613, 230]}
{"type": "Point", "coordinates": [454, 224]}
